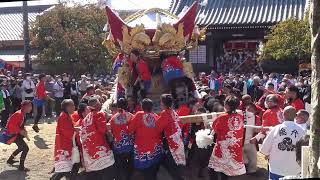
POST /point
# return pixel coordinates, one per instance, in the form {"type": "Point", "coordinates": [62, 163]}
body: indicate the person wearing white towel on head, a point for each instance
{"type": "Point", "coordinates": [280, 144]}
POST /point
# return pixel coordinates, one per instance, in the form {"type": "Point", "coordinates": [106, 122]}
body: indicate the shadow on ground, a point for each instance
{"type": "Point", "coordinates": [13, 174]}
{"type": "Point", "coordinates": [40, 142]}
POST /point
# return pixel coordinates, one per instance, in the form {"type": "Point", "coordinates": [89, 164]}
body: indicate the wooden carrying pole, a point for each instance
{"type": "Point", "coordinates": [210, 117]}
{"type": "Point", "coordinates": [198, 118]}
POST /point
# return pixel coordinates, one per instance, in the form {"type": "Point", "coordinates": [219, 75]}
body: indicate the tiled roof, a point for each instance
{"type": "Point", "coordinates": [223, 13]}
{"type": "Point", "coordinates": [11, 27]}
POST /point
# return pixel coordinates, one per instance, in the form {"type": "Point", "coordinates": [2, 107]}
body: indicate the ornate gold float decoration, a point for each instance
{"type": "Point", "coordinates": [108, 42]}
{"type": "Point", "coordinates": [164, 37]}
{"type": "Point", "coordinates": [124, 75]}
{"type": "Point", "coordinates": [167, 38]}
{"type": "Point", "coordinates": [187, 69]}
{"type": "Point", "coordinates": [135, 39]}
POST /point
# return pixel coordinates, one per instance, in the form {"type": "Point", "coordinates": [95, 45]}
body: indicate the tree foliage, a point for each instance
{"type": "Point", "coordinates": [288, 40]}
{"type": "Point", "coordinates": [70, 38]}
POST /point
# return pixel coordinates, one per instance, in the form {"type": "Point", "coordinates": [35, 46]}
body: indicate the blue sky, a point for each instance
{"type": "Point", "coordinates": [116, 4]}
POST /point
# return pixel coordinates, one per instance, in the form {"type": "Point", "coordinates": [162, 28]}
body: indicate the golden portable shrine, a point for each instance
{"type": "Point", "coordinates": [162, 38]}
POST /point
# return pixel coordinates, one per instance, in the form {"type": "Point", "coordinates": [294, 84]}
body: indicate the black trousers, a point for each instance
{"type": "Point", "coordinates": [215, 175]}
{"type": "Point", "coordinates": [124, 165]}
{"type": "Point", "coordinates": [16, 103]}
{"type": "Point", "coordinates": [170, 165]}
{"type": "Point", "coordinates": [108, 173]}
{"type": "Point", "coordinates": [39, 115]}
{"type": "Point", "coordinates": [75, 100]}
{"type": "Point", "coordinates": [68, 175]}
{"type": "Point", "coordinates": [151, 172]}
{"type": "Point", "coordinates": [4, 117]}
{"type": "Point", "coordinates": [48, 107]}
{"type": "Point", "coordinates": [29, 115]}
{"type": "Point", "coordinates": [22, 147]}
{"type": "Point", "coordinates": [57, 105]}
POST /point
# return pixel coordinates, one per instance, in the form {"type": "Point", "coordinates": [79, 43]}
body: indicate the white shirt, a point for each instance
{"type": "Point", "coordinates": [245, 90]}
{"type": "Point", "coordinates": [274, 82]}
{"type": "Point", "coordinates": [58, 89]}
{"type": "Point", "coordinates": [212, 84]}
{"type": "Point", "coordinates": [5, 94]}
{"type": "Point", "coordinates": [83, 85]}
{"type": "Point", "coordinates": [28, 84]}
{"type": "Point", "coordinates": [74, 91]}
{"type": "Point", "coordinates": [250, 119]}
{"type": "Point", "coordinates": [279, 145]}
{"type": "Point", "coordinates": [304, 126]}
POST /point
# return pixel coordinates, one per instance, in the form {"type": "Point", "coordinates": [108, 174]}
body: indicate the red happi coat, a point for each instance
{"type": "Point", "coordinates": [63, 143]}
{"type": "Point", "coordinates": [227, 153]}
{"type": "Point", "coordinates": [184, 110]}
{"type": "Point", "coordinates": [97, 154]}
{"type": "Point", "coordinates": [168, 121]}
{"type": "Point", "coordinates": [77, 122]}
{"type": "Point", "coordinates": [123, 140]}
{"type": "Point", "coordinates": [148, 140]}
{"type": "Point", "coordinates": [15, 123]}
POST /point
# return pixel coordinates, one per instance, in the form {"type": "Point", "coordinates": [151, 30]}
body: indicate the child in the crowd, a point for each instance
{"type": "Point", "coordinates": [302, 119]}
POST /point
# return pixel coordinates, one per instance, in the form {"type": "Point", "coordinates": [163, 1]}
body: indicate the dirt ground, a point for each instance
{"type": "Point", "coordinates": [40, 159]}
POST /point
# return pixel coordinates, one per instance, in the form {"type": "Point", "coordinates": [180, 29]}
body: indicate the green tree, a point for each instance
{"type": "Point", "coordinates": [69, 39]}
{"type": "Point", "coordinates": [288, 40]}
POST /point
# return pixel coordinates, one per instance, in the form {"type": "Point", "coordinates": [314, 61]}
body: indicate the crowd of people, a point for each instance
{"type": "Point", "coordinates": [232, 59]}
{"type": "Point", "coordinates": [130, 136]}
{"type": "Point", "coordinates": [19, 87]}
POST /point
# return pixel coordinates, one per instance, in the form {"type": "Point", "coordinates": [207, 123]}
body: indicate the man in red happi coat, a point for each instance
{"type": "Point", "coordinates": [17, 131]}
{"type": "Point", "coordinates": [226, 159]}
{"type": "Point", "coordinates": [168, 123]}
{"type": "Point", "coordinates": [148, 148]}
{"type": "Point", "coordinates": [122, 140]}
{"type": "Point", "coordinates": [97, 155]}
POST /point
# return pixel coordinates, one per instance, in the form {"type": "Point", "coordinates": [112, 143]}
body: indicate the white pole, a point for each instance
{"type": "Point", "coordinates": [305, 161]}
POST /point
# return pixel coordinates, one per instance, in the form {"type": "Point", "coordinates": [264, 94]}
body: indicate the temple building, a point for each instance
{"type": "Point", "coordinates": [236, 29]}
{"type": "Point", "coordinates": [11, 34]}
